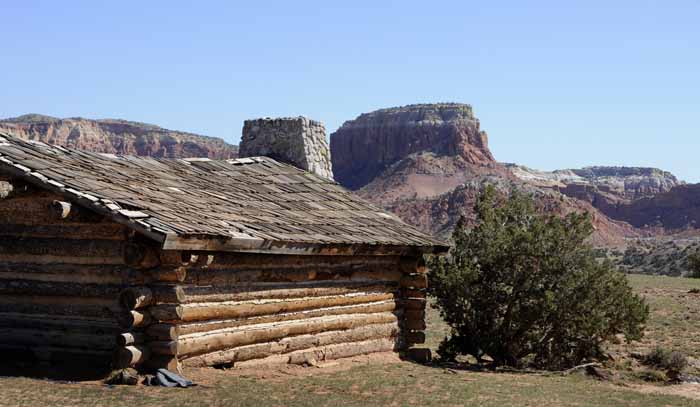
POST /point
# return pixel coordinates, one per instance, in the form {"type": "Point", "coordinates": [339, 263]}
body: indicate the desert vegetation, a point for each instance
{"type": "Point", "coordinates": [660, 256]}
{"type": "Point", "coordinates": [523, 288]}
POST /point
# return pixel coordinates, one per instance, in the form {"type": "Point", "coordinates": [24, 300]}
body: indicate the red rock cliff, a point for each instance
{"type": "Point", "coordinates": [117, 137]}
{"type": "Point", "coordinates": [364, 147]}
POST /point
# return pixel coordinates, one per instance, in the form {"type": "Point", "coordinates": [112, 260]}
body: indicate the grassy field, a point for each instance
{"type": "Point", "coordinates": [675, 323]}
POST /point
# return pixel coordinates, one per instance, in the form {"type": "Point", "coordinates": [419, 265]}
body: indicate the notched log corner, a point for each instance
{"type": "Point", "coordinates": [61, 209]}
{"type": "Point", "coordinates": [6, 189]}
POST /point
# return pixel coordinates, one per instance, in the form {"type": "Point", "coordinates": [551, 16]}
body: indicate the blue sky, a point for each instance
{"type": "Point", "coordinates": [555, 83]}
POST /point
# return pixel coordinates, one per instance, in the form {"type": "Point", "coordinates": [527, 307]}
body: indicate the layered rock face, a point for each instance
{"type": "Point", "coordinates": [365, 147]}
{"type": "Point", "coordinates": [630, 182]}
{"type": "Point", "coordinates": [672, 211]}
{"type": "Point", "coordinates": [642, 197]}
{"type": "Point", "coordinates": [117, 137]}
{"type": "Point", "coordinates": [294, 140]}
{"type": "Point", "coordinates": [618, 183]}
{"type": "Point", "coordinates": [428, 163]}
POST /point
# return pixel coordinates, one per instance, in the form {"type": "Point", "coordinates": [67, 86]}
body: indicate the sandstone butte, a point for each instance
{"type": "Point", "coordinates": [363, 148]}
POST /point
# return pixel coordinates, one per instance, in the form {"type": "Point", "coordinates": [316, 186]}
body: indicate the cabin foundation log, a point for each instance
{"type": "Point", "coordinates": [222, 339]}
{"type": "Point", "coordinates": [295, 351]}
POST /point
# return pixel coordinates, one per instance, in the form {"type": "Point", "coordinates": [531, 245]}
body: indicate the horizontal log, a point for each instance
{"type": "Point", "coordinates": [287, 346]}
{"type": "Point", "coordinates": [408, 265]}
{"type": "Point", "coordinates": [233, 276]}
{"type": "Point", "coordinates": [33, 210]}
{"type": "Point", "coordinates": [100, 231]}
{"type": "Point", "coordinates": [413, 293]}
{"type": "Point", "coordinates": [135, 319]}
{"type": "Point", "coordinates": [168, 274]}
{"type": "Point", "coordinates": [140, 256]}
{"type": "Point", "coordinates": [130, 356]}
{"type": "Point", "coordinates": [164, 347]}
{"type": "Point", "coordinates": [136, 297]}
{"type": "Point", "coordinates": [248, 261]}
{"type": "Point", "coordinates": [235, 337]}
{"type": "Point", "coordinates": [130, 338]}
{"type": "Point", "coordinates": [71, 273]}
{"type": "Point", "coordinates": [168, 293]}
{"type": "Point", "coordinates": [81, 248]}
{"type": "Point", "coordinates": [261, 291]}
{"type": "Point", "coordinates": [50, 288]}
{"type": "Point", "coordinates": [414, 338]}
{"type": "Point", "coordinates": [325, 353]}
{"type": "Point", "coordinates": [60, 259]}
{"type": "Point", "coordinates": [165, 332]}
{"type": "Point", "coordinates": [206, 326]}
{"type": "Point", "coordinates": [414, 324]}
{"type": "Point", "coordinates": [417, 314]}
{"type": "Point", "coordinates": [69, 306]}
{"type": "Point", "coordinates": [412, 303]}
{"type": "Point", "coordinates": [243, 309]}
{"type": "Point", "coordinates": [58, 338]}
{"type": "Point", "coordinates": [77, 324]}
{"type": "Point", "coordinates": [48, 353]}
{"type": "Point", "coordinates": [414, 281]}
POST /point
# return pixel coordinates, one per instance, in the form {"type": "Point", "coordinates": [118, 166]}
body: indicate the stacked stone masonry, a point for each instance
{"type": "Point", "coordinates": [298, 141]}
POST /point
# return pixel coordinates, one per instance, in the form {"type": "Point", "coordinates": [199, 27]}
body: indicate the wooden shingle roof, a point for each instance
{"type": "Point", "coordinates": [248, 204]}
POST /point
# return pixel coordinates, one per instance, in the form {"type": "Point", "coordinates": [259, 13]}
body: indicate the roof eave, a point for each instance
{"type": "Point", "coordinates": [258, 245]}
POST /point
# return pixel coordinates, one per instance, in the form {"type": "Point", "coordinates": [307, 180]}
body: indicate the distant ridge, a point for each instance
{"type": "Point", "coordinates": [117, 136]}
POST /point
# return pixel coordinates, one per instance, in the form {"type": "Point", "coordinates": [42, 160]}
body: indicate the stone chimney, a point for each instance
{"type": "Point", "coordinates": [294, 140]}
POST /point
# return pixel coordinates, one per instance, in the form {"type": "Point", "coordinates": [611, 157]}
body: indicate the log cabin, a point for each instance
{"type": "Point", "coordinates": [138, 262]}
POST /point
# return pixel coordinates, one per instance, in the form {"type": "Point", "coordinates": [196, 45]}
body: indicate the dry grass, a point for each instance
{"type": "Point", "coordinates": [376, 381]}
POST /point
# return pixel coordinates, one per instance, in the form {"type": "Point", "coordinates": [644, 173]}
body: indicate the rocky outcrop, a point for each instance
{"type": "Point", "coordinates": [293, 140]}
{"type": "Point", "coordinates": [427, 164]}
{"type": "Point", "coordinates": [629, 182]}
{"type": "Point", "coordinates": [439, 214]}
{"type": "Point", "coordinates": [672, 211]}
{"type": "Point", "coordinates": [365, 147]}
{"type": "Point", "coordinates": [643, 197]}
{"type": "Point", "coordinates": [117, 137]}
{"type": "Point", "coordinates": [614, 184]}
{"type": "Point", "coordinates": [426, 175]}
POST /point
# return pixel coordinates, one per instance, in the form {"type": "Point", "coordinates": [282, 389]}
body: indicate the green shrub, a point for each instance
{"type": "Point", "coordinates": [694, 264]}
{"type": "Point", "coordinates": [662, 358]}
{"type": "Point", "coordinates": [523, 288]}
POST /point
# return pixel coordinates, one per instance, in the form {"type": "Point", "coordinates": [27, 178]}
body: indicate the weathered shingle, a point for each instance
{"type": "Point", "coordinates": [257, 201]}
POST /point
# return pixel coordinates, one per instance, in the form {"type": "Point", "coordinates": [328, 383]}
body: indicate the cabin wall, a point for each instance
{"type": "Point", "coordinates": [74, 285]}
{"type": "Point", "coordinates": [61, 272]}
{"type": "Point", "coordinates": [240, 309]}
